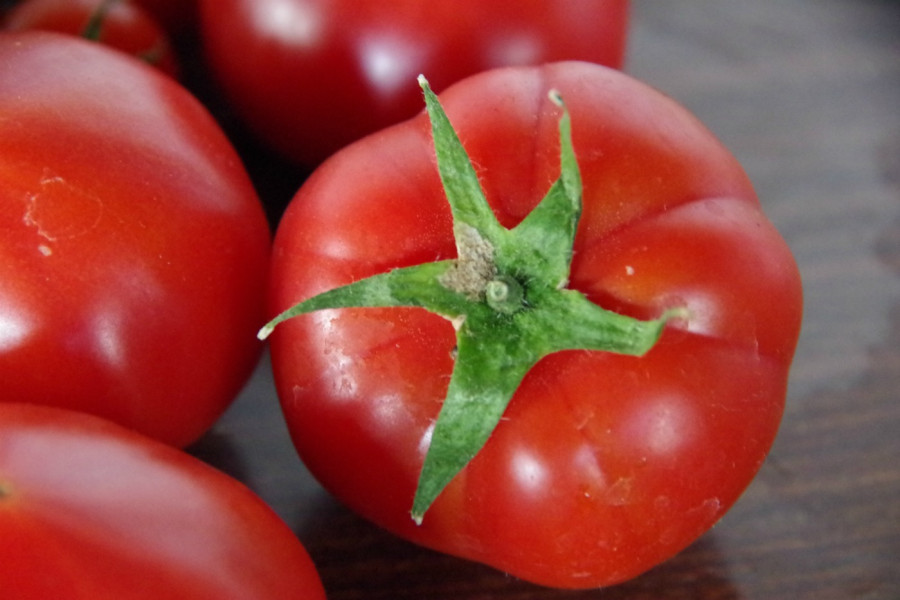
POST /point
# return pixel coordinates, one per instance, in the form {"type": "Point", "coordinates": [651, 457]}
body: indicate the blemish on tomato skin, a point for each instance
{"type": "Point", "coordinates": [60, 211]}
{"type": "Point", "coordinates": [702, 516]}
{"type": "Point", "coordinates": [620, 492]}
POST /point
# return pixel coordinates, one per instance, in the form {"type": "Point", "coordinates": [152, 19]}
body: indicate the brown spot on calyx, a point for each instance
{"type": "Point", "coordinates": [474, 268]}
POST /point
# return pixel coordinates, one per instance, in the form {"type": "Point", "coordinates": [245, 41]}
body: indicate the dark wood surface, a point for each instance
{"type": "Point", "coordinates": [807, 95]}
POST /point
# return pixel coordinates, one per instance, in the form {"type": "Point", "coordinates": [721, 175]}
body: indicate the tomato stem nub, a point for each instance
{"type": "Point", "coordinates": [94, 27]}
{"type": "Point", "coordinates": [505, 293]}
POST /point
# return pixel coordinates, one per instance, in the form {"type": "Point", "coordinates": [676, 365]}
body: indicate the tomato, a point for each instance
{"type": "Point", "coordinates": [134, 249]}
{"type": "Point", "coordinates": [602, 464]}
{"type": "Point", "coordinates": [122, 25]}
{"type": "Point", "coordinates": [89, 509]}
{"type": "Point", "coordinates": [310, 76]}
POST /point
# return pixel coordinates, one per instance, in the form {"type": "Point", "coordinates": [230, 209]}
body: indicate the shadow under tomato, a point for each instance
{"type": "Point", "coordinates": [358, 560]}
{"type": "Point", "coordinates": [220, 451]}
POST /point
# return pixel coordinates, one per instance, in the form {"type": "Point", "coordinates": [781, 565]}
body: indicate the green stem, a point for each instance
{"type": "Point", "coordinates": [505, 295]}
{"type": "Point", "coordinates": [94, 27]}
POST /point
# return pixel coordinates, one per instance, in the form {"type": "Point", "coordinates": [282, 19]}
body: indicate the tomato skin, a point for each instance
{"type": "Point", "coordinates": [603, 465]}
{"type": "Point", "coordinates": [89, 509]}
{"type": "Point", "coordinates": [134, 250]}
{"type": "Point", "coordinates": [311, 76]}
{"type": "Point", "coordinates": [126, 26]}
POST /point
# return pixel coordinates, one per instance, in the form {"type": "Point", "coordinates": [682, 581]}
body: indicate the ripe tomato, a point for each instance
{"type": "Point", "coordinates": [602, 465]}
{"type": "Point", "coordinates": [89, 509]}
{"type": "Point", "coordinates": [310, 76]}
{"type": "Point", "coordinates": [134, 250]}
{"type": "Point", "coordinates": [123, 25]}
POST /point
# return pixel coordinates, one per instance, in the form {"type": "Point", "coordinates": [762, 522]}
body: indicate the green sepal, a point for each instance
{"type": "Point", "coordinates": [545, 238]}
{"type": "Point", "coordinates": [418, 285]}
{"type": "Point", "coordinates": [467, 201]}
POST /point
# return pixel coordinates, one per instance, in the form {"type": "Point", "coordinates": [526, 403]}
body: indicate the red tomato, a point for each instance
{"type": "Point", "coordinates": [124, 26]}
{"type": "Point", "coordinates": [134, 250]}
{"type": "Point", "coordinates": [603, 465]}
{"type": "Point", "coordinates": [310, 76]}
{"type": "Point", "coordinates": [91, 510]}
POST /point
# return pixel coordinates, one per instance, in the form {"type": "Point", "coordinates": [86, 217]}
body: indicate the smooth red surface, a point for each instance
{"type": "Point", "coordinates": [311, 76]}
{"type": "Point", "coordinates": [90, 510]}
{"type": "Point", "coordinates": [126, 26]}
{"type": "Point", "coordinates": [603, 465]}
{"type": "Point", "coordinates": [134, 250]}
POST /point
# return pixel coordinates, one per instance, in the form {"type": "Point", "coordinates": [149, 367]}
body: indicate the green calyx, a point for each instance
{"type": "Point", "coordinates": [93, 31]}
{"type": "Point", "coordinates": [505, 294]}
{"type": "Point", "coordinates": [94, 27]}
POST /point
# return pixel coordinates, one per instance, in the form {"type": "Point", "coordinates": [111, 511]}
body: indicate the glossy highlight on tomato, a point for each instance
{"type": "Point", "coordinates": [310, 76]}
{"type": "Point", "coordinates": [92, 511]}
{"type": "Point", "coordinates": [603, 465]}
{"type": "Point", "coordinates": [134, 249]}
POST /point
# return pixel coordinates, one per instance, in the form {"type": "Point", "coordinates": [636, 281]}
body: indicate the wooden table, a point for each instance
{"type": "Point", "coordinates": [807, 95]}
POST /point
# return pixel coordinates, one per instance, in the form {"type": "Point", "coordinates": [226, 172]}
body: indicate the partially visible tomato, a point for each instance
{"type": "Point", "coordinates": [122, 25]}
{"type": "Point", "coordinates": [133, 247]}
{"type": "Point", "coordinates": [311, 76]}
{"type": "Point", "coordinates": [92, 511]}
{"type": "Point", "coordinates": [602, 464]}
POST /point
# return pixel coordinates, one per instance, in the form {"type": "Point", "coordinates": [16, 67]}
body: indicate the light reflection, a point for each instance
{"type": "Point", "coordinates": [514, 49]}
{"type": "Point", "coordinates": [112, 317]}
{"type": "Point", "coordinates": [528, 471]}
{"type": "Point", "coordinates": [425, 441]}
{"type": "Point", "coordinates": [107, 338]}
{"type": "Point", "coordinates": [585, 463]}
{"type": "Point", "coordinates": [15, 326]}
{"type": "Point", "coordinates": [704, 314]}
{"type": "Point", "coordinates": [290, 22]}
{"type": "Point", "coordinates": [389, 63]}
{"type": "Point", "coordinates": [663, 426]}
{"type": "Point", "coordinates": [389, 412]}
{"type": "Point", "coordinates": [337, 362]}
{"type": "Point", "coordinates": [97, 476]}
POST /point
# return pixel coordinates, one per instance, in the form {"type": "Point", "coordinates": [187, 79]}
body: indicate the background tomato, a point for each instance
{"type": "Point", "coordinates": [89, 509]}
{"type": "Point", "coordinates": [310, 76]}
{"type": "Point", "coordinates": [134, 250]}
{"type": "Point", "coordinates": [125, 26]}
{"type": "Point", "coordinates": [603, 465]}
